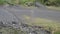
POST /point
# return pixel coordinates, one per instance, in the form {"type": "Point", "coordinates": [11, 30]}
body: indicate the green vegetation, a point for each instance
{"type": "Point", "coordinates": [57, 32]}
{"type": "Point", "coordinates": [50, 2]}
{"type": "Point", "coordinates": [7, 30]}
{"type": "Point", "coordinates": [1, 2]}
{"type": "Point", "coordinates": [35, 21]}
{"type": "Point", "coordinates": [52, 26]}
{"type": "Point", "coordinates": [24, 2]}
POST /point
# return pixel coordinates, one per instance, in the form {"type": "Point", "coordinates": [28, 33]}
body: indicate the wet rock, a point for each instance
{"type": "Point", "coordinates": [1, 23]}
{"type": "Point", "coordinates": [13, 22]}
{"type": "Point", "coordinates": [47, 31]}
{"type": "Point", "coordinates": [33, 32]}
{"type": "Point", "coordinates": [24, 25]}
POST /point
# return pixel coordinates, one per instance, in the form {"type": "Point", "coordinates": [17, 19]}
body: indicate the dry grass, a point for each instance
{"type": "Point", "coordinates": [54, 8]}
{"type": "Point", "coordinates": [44, 22]}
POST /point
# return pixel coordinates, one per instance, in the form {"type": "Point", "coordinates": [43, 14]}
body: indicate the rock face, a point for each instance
{"type": "Point", "coordinates": [39, 5]}
{"type": "Point", "coordinates": [9, 20]}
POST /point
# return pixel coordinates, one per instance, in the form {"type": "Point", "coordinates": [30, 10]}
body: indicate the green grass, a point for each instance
{"type": "Point", "coordinates": [45, 23]}
{"type": "Point", "coordinates": [2, 2]}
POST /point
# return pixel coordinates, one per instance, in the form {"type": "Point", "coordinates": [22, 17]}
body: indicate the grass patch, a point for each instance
{"type": "Point", "coordinates": [54, 8]}
{"type": "Point", "coordinates": [57, 32]}
{"type": "Point", "coordinates": [2, 2]}
{"type": "Point", "coordinates": [45, 23]}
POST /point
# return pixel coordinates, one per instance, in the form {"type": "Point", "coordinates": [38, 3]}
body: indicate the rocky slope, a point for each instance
{"type": "Point", "coordinates": [8, 20]}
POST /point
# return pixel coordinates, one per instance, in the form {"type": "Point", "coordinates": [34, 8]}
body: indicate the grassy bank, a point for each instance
{"type": "Point", "coordinates": [45, 23]}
